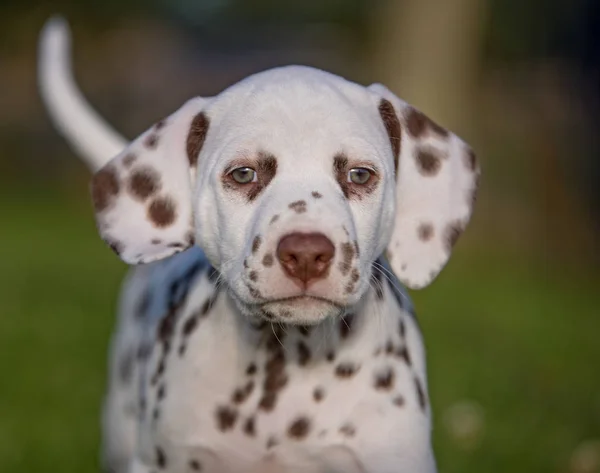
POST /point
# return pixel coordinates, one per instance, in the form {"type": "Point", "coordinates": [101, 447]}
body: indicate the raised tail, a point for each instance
{"type": "Point", "coordinates": [87, 133]}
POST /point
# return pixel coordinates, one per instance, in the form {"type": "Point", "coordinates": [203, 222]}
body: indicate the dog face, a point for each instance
{"type": "Point", "coordinates": [293, 181]}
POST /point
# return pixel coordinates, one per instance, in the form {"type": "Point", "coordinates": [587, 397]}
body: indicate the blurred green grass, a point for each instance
{"type": "Point", "coordinates": [515, 335]}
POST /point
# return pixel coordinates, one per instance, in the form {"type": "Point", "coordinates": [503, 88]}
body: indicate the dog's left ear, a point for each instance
{"type": "Point", "coordinates": [143, 196]}
{"type": "Point", "coordinates": [436, 185]}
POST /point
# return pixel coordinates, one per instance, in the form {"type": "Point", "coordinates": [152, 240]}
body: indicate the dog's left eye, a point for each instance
{"type": "Point", "coordinates": [244, 175]}
{"type": "Point", "coordinates": [359, 175]}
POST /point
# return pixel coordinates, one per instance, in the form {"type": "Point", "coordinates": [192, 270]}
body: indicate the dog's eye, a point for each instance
{"type": "Point", "coordinates": [244, 175]}
{"type": "Point", "coordinates": [359, 175]}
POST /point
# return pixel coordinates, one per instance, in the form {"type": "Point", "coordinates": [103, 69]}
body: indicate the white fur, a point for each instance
{"type": "Point", "coordinates": [162, 413]}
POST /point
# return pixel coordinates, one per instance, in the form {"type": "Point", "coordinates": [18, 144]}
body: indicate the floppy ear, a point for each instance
{"type": "Point", "coordinates": [143, 196]}
{"type": "Point", "coordinates": [436, 185]}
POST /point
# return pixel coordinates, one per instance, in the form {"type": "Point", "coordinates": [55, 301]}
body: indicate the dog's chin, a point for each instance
{"type": "Point", "coordinates": [301, 310]}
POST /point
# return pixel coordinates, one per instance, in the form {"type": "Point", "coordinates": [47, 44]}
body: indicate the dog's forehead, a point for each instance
{"type": "Point", "coordinates": [298, 112]}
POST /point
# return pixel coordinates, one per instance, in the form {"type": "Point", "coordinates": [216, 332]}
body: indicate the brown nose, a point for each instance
{"type": "Point", "coordinates": [305, 256]}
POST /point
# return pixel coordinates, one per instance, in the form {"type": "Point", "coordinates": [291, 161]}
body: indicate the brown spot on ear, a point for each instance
{"type": "Point", "coordinates": [266, 169]}
{"type": "Point", "coordinates": [470, 160]}
{"type": "Point", "coordinates": [418, 124]}
{"type": "Point", "coordinates": [268, 260]}
{"type": "Point", "coordinates": [420, 393]}
{"type": "Point", "coordinates": [392, 126]}
{"type": "Point", "coordinates": [144, 182]}
{"type": "Point", "coordinates": [105, 187]}
{"type": "Point", "coordinates": [451, 234]}
{"type": "Point", "coordinates": [226, 417]}
{"type": "Point", "coordinates": [428, 163]}
{"type": "Point", "coordinates": [151, 141]}
{"type": "Point", "coordinates": [316, 195]}
{"type": "Point", "coordinates": [128, 160]}
{"type": "Point", "coordinates": [256, 243]}
{"type": "Point", "coordinates": [425, 231]}
{"type": "Point", "coordinates": [318, 394]}
{"type": "Point", "coordinates": [161, 212]}
{"type": "Point", "coordinates": [299, 429]}
{"type": "Point", "coordinates": [384, 381]}
{"type": "Point", "coordinates": [299, 206]}
{"type": "Point", "coordinates": [196, 137]}
{"type": "Point", "coordinates": [346, 370]}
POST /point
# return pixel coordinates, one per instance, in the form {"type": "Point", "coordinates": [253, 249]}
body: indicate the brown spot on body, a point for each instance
{"type": "Point", "coordinates": [256, 243]}
{"type": "Point", "coordinates": [161, 212]}
{"type": "Point", "coordinates": [105, 187]}
{"type": "Point", "coordinates": [420, 393]}
{"type": "Point", "coordinates": [452, 233]}
{"type": "Point", "coordinates": [398, 401]}
{"type": "Point", "coordinates": [348, 430]}
{"type": "Point", "coordinates": [299, 429]}
{"type": "Point", "coordinates": [241, 394]}
{"type": "Point", "coordinates": [226, 418]}
{"type": "Point", "coordinates": [250, 427]}
{"type": "Point", "coordinates": [346, 370]}
{"type": "Point", "coordinates": [316, 195]}
{"type": "Point", "coordinates": [346, 323]}
{"type": "Point", "coordinates": [318, 394]}
{"type": "Point", "coordinates": [425, 231]}
{"type": "Point", "coordinates": [151, 141]}
{"type": "Point", "coordinates": [303, 354]}
{"type": "Point", "coordinates": [403, 354]}
{"type": "Point", "coordinates": [330, 356]}
{"type": "Point", "coordinates": [274, 219]}
{"type": "Point", "coordinates": [393, 128]}
{"type": "Point", "coordinates": [196, 137]}
{"type": "Point", "coordinates": [161, 459]}
{"type": "Point", "coordinates": [384, 381]}
{"type": "Point", "coordinates": [428, 163]}
{"type": "Point", "coordinates": [195, 465]}
{"type": "Point", "coordinates": [298, 206]}
{"type": "Point", "coordinates": [251, 370]}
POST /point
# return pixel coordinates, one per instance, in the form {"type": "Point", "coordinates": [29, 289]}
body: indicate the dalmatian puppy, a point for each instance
{"type": "Point", "coordinates": [261, 328]}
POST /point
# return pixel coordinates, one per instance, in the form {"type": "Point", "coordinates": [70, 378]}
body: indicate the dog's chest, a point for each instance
{"type": "Point", "coordinates": [219, 389]}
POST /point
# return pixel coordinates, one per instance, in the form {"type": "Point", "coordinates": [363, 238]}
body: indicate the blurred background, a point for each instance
{"type": "Point", "coordinates": [512, 325]}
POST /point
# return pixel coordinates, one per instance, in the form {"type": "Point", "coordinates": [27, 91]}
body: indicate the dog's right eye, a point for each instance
{"type": "Point", "coordinates": [244, 175]}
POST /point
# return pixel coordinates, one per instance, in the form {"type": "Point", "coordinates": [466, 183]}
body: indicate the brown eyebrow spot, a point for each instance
{"type": "Point", "coordinates": [266, 170]}
{"type": "Point", "coordinates": [196, 137]}
{"type": "Point", "coordinates": [428, 163]}
{"type": "Point", "coordinates": [162, 212]}
{"type": "Point", "coordinates": [144, 182]}
{"type": "Point", "coordinates": [393, 128]}
{"type": "Point", "coordinates": [105, 186]}
{"type": "Point", "coordinates": [340, 163]}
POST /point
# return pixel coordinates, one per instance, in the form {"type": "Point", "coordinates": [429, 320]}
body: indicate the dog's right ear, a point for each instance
{"type": "Point", "coordinates": [143, 196]}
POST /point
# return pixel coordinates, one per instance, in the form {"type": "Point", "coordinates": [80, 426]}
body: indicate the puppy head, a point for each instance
{"type": "Point", "coordinates": [293, 181]}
